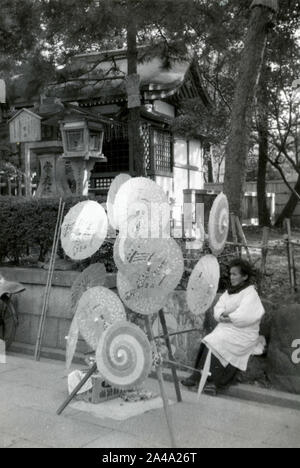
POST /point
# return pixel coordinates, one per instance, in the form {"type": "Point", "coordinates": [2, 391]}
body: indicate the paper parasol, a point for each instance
{"type": "Point", "coordinates": [94, 275]}
{"type": "Point", "coordinates": [112, 193]}
{"type": "Point", "coordinates": [218, 226]}
{"type": "Point", "coordinates": [142, 209]}
{"type": "Point", "coordinates": [120, 246]}
{"type": "Point", "coordinates": [144, 302]}
{"type": "Point", "coordinates": [97, 309]}
{"type": "Point", "coordinates": [84, 230]}
{"type": "Point", "coordinates": [160, 259]}
{"type": "Point", "coordinates": [145, 284]}
{"type": "Point", "coordinates": [203, 285]}
{"type": "Point", "coordinates": [72, 340]}
{"type": "Point", "coordinates": [124, 356]}
{"type": "Point", "coordinates": [171, 323]}
{"type": "Point", "coordinates": [130, 252]}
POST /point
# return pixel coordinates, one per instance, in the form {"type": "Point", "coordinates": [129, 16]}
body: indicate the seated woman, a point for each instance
{"type": "Point", "coordinates": [239, 313]}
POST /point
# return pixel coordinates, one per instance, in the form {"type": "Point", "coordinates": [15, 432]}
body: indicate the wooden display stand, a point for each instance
{"type": "Point", "coordinates": [94, 369]}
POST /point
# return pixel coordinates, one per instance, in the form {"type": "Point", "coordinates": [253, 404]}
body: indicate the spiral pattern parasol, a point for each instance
{"type": "Point", "coordinates": [124, 356]}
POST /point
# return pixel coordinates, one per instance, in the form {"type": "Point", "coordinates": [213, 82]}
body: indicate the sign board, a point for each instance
{"type": "Point", "coordinates": [164, 108]}
{"type": "Point", "coordinates": [25, 127]}
{"type": "Point", "coordinates": [132, 83]}
{"type": "Point", "coordinates": [2, 92]}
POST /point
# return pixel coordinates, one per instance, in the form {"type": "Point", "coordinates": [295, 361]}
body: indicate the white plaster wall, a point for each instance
{"type": "Point", "coordinates": [188, 157]}
{"type": "Point", "coordinates": [195, 154]}
{"type": "Point", "coordinates": [180, 152]}
{"type": "Point", "coordinates": [166, 183]}
{"type": "Point", "coordinates": [180, 184]}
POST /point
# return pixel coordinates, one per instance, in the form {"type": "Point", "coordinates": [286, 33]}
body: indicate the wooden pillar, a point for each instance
{"type": "Point", "coordinates": [136, 153]}
{"type": "Point", "coordinates": [27, 154]}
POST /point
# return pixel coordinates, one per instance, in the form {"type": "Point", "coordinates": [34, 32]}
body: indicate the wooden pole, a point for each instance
{"type": "Point", "coordinates": [162, 386]}
{"type": "Point", "coordinates": [178, 364]}
{"type": "Point", "coordinates": [183, 332]}
{"type": "Point", "coordinates": [171, 357]}
{"type": "Point", "coordinates": [291, 258]}
{"type": "Point", "coordinates": [28, 189]}
{"type": "Point", "coordinates": [9, 186]}
{"type": "Point", "coordinates": [243, 238]}
{"type": "Point", "coordinates": [42, 323]}
{"type": "Point", "coordinates": [205, 374]}
{"type": "Point", "coordinates": [265, 241]}
{"type": "Point", "coordinates": [234, 235]}
{"type": "Point", "coordinates": [76, 390]}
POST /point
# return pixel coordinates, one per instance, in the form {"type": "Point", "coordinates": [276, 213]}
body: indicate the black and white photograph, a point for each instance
{"type": "Point", "coordinates": [149, 226]}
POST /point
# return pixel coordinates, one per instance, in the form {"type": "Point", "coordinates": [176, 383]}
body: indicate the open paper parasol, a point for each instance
{"type": "Point", "coordinates": [218, 226]}
{"type": "Point", "coordinates": [94, 275]}
{"type": "Point", "coordinates": [112, 193]}
{"type": "Point", "coordinates": [72, 340]}
{"type": "Point", "coordinates": [203, 285]}
{"type": "Point", "coordinates": [97, 309]}
{"type": "Point", "coordinates": [9, 287]}
{"type": "Point", "coordinates": [84, 230]}
{"type": "Point", "coordinates": [142, 209]}
{"type": "Point", "coordinates": [160, 259]}
{"type": "Point", "coordinates": [124, 356]}
{"type": "Point", "coordinates": [153, 269]}
{"type": "Point", "coordinates": [141, 301]}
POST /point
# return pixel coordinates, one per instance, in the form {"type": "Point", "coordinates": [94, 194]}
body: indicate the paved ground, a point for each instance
{"type": "Point", "coordinates": [31, 392]}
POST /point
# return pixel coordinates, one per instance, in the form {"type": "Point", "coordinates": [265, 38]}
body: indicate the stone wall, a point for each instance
{"type": "Point", "coordinates": [30, 303]}
{"type": "Point", "coordinates": [280, 326]}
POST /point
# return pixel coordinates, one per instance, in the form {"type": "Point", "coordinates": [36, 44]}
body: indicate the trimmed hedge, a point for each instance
{"type": "Point", "coordinates": [27, 226]}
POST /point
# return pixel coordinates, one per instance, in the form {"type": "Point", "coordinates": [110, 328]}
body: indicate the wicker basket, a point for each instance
{"type": "Point", "coordinates": [98, 393]}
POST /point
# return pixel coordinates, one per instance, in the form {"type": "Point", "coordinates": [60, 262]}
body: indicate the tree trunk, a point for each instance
{"type": "Point", "coordinates": [208, 156]}
{"type": "Point", "coordinates": [263, 126]}
{"type": "Point", "coordinates": [290, 207]}
{"type": "Point", "coordinates": [136, 153]}
{"type": "Point", "coordinates": [263, 210]}
{"type": "Point", "coordinates": [238, 144]}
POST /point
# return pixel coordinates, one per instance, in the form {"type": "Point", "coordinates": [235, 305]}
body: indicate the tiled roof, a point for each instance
{"type": "Point", "coordinates": [100, 77]}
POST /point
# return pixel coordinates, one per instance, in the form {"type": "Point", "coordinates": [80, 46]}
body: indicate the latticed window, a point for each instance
{"type": "Point", "coordinates": [163, 152]}
{"type": "Point", "coordinates": [102, 183]}
{"type": "Point", "coordinates": [146, 141]}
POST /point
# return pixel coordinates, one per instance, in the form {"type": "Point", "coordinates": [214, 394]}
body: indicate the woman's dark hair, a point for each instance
{"type": "Point", "coordinates": [244, 266]}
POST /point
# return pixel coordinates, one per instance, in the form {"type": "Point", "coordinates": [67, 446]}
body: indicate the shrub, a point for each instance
{"type": "Point", "coordinates": [27, 226]}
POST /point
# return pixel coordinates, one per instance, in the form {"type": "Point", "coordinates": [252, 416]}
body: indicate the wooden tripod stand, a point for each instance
{"type": "Point", "coordinates": [93, 369]}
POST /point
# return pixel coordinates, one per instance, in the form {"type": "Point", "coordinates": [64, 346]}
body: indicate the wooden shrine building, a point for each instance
{"type": "Point", "coordinates": [96, 82]}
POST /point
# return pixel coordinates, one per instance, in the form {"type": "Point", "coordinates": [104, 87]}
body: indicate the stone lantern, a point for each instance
{"type": "Point", "coordinates": [82, 143]}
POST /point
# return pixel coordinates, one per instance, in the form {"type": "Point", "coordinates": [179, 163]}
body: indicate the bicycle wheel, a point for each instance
{"type": "Point", "coordinates": [8, 322]}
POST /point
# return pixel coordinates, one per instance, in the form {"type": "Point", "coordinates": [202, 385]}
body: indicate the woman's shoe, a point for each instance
{"type": "Point", "coordinates": [190, 382]}
{"type": "Point", "coordinates": [210, 389]}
